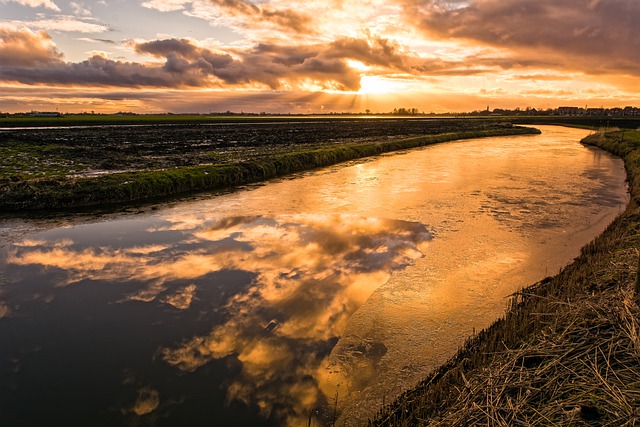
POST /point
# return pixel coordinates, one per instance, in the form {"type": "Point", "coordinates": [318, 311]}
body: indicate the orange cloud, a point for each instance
{"type": "Point", "coordinates": [189, 65]}
{"type": "Point", "coordinates": [25, 48]}
{"type": "Point", "coordinates": [596, 37]}
{"type": "Point", "coordinates": [259, 14]}
{"type": "Point", "coordinates": [241, 13]}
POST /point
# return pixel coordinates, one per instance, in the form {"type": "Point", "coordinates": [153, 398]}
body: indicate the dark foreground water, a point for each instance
{"type": "Point", "coordinates": [308, 300]}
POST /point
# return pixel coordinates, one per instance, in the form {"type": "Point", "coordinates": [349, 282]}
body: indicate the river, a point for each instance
{"type": "Point", "coordinates": [306, 300]}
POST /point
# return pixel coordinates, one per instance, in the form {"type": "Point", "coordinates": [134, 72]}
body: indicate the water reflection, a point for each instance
{"type": "Point", "coordinates": [266, 296]}
{"type": "Point", "coordinates": [239, 310]}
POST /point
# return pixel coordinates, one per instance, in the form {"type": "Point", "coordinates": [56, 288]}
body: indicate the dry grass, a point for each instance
{"type": "Point", "coordinates": [582, 370]}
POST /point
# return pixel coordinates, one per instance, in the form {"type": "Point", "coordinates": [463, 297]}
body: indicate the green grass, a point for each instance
{"type": "Point", "coordinates": [625, 144]}
{"type": "Point", "coordinates": [586, 122]}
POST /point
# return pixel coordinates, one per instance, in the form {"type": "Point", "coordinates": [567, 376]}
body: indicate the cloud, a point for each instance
{"type": "Point", "coordinates": [62, 23]}
{"type": "Point", "coordinates": [185, 65]}
{"type": "Point", "coordinates": [597, 37]}
{"type": "Point", "coordinates": [269, 65]}
{"type": "Point", "coordinates": [35, 3]}
{"type": "Point", "coordinates": [239, 14]}
{"type": "Point", "coordinates": [80, 9]}
{"type": "Point", "coordinates": [97, 71]}
{"type": "Point", "coordinates": [258, 14]}
{"type": "Point", "coordinates": [25, 48]}
{"type": "Point", "coordinates": [182, 63]}
{"type": "Point", "coordinates": [32, 58]}
{"type": "Point", "coordinates": [95, 40]}
{"type": "Point", "coordinates": [375, 50]}
{"type": "Point", "coordinates": [542, 77]}
{"type": "Point", "coordinates": [279, 66]}
{"type": "Point", "coordinates": [166, 5]}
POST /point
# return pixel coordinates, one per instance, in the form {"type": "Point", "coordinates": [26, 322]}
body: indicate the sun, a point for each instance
{"type": "Point", "coordinates": [380, 85]}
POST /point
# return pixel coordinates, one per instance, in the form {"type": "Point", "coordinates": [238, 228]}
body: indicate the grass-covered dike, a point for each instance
{"type": "Point", "coordinates": [42, 176]}
{"type": "Point", "coordinates": [567, 351]}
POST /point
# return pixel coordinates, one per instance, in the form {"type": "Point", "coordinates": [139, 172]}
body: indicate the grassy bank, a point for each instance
{"type": "Point", "coordinates": [57, 188]}
{"type": "Point", "coordinates": [567, 352]}
{"type": "Point", "coordinates": [584, 121]}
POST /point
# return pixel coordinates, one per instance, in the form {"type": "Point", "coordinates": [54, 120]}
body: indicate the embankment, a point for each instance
{"type": "Point", "coordinates": [567, 352]}
{"type": "Point", "coordinates": [66, 192]}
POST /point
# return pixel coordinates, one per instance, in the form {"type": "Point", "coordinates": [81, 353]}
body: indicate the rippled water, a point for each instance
{"type": "Point", "coordinates": [310, 299]}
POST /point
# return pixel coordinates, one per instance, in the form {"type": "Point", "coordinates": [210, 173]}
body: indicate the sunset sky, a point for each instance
{"type": "Point", "coordinates": [285, 56]}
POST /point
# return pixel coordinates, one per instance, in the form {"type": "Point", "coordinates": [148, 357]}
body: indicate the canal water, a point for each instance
{"type": "Point", "coordinates": [309, 300]}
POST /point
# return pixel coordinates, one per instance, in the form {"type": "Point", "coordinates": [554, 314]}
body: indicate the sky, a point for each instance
{"type": "Point", "coordinates": [317, 56]}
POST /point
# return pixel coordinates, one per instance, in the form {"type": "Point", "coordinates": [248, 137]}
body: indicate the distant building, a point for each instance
{"type": "Point", "coordinates": [569, 111]}
{"type": "Point", "coordinates": [599, 112]}
{"type": "Point", "coordinates": [44, 114]}
{"type": "Point", "coordinates": [595, 112]}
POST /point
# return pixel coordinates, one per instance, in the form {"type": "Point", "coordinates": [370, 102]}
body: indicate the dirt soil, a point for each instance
{"type": "Point", "coordinates": [90, 150]}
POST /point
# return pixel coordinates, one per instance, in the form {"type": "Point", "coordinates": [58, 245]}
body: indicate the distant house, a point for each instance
{"type": "Point", "coordinates": [569, 111]}
{"type": "Point", "coordinates": [595, 112]}
{"type": "Point", "coordinates": [44, 114]}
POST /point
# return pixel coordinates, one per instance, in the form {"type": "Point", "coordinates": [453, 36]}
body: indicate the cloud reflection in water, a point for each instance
{"type": "Point", "coordinates": [310, 274]}
{"type": "Point", "coordinates": [313, 273]}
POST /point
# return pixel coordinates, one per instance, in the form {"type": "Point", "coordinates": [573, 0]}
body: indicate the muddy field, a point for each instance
{"type": "Point", "coordinates": [68, 167]}
{"type": "Point", "coordinates": [98, 149]}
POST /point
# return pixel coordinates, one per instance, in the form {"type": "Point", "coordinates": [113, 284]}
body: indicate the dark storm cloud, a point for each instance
{"type": "Point", "coordinates": [594, 36]}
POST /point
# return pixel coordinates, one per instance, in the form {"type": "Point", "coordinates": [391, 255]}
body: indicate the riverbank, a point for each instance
{"type": "Point", "coordinates": [57, 174]}
{"type": "Point", "coordinates": [567, 351]}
